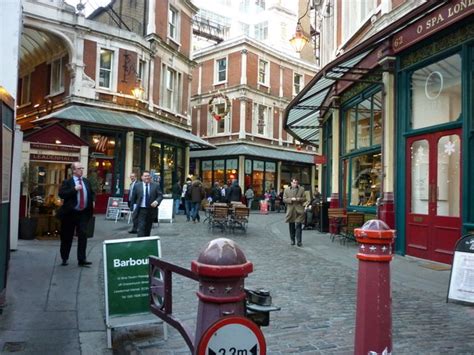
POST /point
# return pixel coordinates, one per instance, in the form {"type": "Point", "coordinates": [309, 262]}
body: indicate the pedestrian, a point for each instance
{"type": "Point", "coordinates": [75, 214]}
{"type": "Point", "coordinates": [235, 192]}
{"type": "Point", "coordinates": [187, 198]}
{"type": "Point", "coordinates": [147, 198]}
{"type": "Point", "coordinates": [294, 199]}
{"type": "Point", "coordinates": [216, 193]}
{"type": "Point", "coordinates": [249, 195]}
{"type": "Point", "coordinates": [133, 178]}
{"type": "Point", "coordinates": [224, 193]}
{"type": "Point", "coordinates": [273, 196]}
{"type": "Point", "coordinates": [197, 195]}
{"type": "Point", "coordinates": [176, 195]}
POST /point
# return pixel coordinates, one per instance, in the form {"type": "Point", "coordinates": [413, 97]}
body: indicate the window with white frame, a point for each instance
{"type": "Point", "coordinates": [354, 13]}
{"type": "Point", "coordinates": [263, 72]}
{"type": "Point", "coordinates": [297, 83]}
{"type": "Point", "coordinates": [173, 22]}
{"type": "Point", "coordinates": [261, 31]}
{"type": "Point", "coordinates": [105, 68]}
{"type": "Point", "coordinates": [57, 76]}
{"type": "Point", "coordinates": [262, 122]}
{"type": "Point", "coordinates": [221, 70]}
{"type": "Point", "coordinates": [25, 89]}
{"type": "Point", "coordinates": [141, 73]}
{"type": "Point", "coordinates": [219, 126]}
{"type": "Point", "coordinates": [171, 88]}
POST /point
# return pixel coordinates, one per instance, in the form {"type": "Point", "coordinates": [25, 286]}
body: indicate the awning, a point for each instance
{"type": "Point", "coordinates": [106, 117]}
{"type": "Point", "coordinates": [301, 118]}
{"type": "Point", "coordinates": [255, 151]}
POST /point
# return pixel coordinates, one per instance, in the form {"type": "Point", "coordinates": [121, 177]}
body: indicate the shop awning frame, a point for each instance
{"type": "Point", "coordinates": [303, 114]}
{"type": "Point", "coordinates": [107, 117]}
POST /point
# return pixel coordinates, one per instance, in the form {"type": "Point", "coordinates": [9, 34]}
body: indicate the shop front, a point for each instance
{"type": "Point", "coordinates": [47, 155]}
{"type": "Point", "coordinates": [262, 168]}
{"type": "Point", "coordinates": [395, 119]}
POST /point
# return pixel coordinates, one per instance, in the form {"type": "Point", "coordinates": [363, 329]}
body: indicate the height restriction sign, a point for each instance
{"type": "Point", "coordinates": [233, 336]}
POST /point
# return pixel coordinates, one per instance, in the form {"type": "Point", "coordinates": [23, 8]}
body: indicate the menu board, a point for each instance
{"type": "Point", "coordinates": [113, 207]}
{"type": "Point", "coordinates": [461, 284]}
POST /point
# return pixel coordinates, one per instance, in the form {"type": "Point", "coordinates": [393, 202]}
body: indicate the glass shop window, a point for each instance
{"type": "Point", "coordinates": [257, 177]}
{"type": "Point", "coordinates": [232, 173]}
{"type": "Point", "coordinates": [155, 157]}
{"type": "Point", "coordinates": [365, 179]}
{"type": "Point", "coordinates": [169, 164]}
{"type": "Point", "coordinates": [207, 173]}
{"type": "Point", "coordinates": [219, 171]}
{"type": "Point", "coordinates": [436, 93]}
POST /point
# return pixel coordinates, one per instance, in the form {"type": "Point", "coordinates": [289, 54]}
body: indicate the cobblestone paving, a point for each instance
{"type": "Point", "coordinates": [316, 293]}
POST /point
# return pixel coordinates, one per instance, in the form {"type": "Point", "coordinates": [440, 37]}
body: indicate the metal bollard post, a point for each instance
{"type": "Point", "coordinates": [373, 333]}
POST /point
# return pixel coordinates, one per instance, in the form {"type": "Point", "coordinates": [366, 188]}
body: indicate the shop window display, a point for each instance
{"type": "Point", "coordinates": [365, 179]}
{"type": "Point", "coordinates": [258, 177]}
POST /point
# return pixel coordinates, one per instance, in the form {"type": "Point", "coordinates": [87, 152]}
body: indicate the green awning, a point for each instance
{"type": "Point", "coordinates": [255, 151]}
{"type": "Point", "coordinates": [93, 115]}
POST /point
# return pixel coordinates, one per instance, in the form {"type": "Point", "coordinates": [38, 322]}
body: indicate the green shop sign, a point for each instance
{"type": "Point", "coordinates": [126, 274]}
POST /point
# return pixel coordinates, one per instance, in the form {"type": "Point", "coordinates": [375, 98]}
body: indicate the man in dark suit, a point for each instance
{"type": "Point", "coordinates": [133, 178]}
{"type": "Point", "coordinates": [75, 213]}
{"type": "Point", "coordinates": [146, 198]}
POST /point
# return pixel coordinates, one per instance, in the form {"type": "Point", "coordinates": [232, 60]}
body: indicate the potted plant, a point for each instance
{"type": "Point", "coordinates": [28, 224]}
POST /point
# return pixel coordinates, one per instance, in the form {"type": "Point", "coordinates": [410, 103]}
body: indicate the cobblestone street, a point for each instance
{"type": "Point", "coordinates": [315, 286]}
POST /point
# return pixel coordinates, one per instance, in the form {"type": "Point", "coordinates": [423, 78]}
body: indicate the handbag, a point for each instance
{"type": "Point", "coordinates": [90, 227]}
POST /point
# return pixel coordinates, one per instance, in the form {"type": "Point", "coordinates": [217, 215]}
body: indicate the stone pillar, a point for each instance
{"type": "Point", "coordinates": [278, 187]}
{"type": "Point", "coordinates": [386, 208]}
{"type": "Point", "coordinates": [335, 155]}
{"type": "Point", "coordinates": [242, 172]}
{"type": "Point", "coordinates": [128, 159]}
{"type": "Point", "coordinates": [242, 118]}
{"type": "Point", "coordinates": [186, 162]}
{"type": "Point", "coordinates": [151, 25]}
{"type": "Point", "coordinates": [147, 153]}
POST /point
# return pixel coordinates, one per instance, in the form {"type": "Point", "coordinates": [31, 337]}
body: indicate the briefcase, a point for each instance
{"type": "Point", "coordinates": [90, 227]}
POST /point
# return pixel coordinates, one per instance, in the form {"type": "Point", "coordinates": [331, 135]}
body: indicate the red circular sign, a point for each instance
{"type": "Point", "coordinates": [232, 335]}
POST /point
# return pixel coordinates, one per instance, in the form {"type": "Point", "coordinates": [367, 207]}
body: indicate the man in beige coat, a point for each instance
{"type": "Point", "coordinates": [294, 199]}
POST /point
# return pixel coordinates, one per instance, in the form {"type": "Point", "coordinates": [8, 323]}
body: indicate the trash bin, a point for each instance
{"type": "Point", "coordinates": [323, 217]}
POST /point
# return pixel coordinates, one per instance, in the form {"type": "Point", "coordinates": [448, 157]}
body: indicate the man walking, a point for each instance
{"type": "Point", "coordinates": [294, 199]}
{"type": "Point", "coordinates": [147, 197]}
{"type": "Point", "coordinates": [133, 178]}
{"type": "Point", "coordinates": [75, 214]}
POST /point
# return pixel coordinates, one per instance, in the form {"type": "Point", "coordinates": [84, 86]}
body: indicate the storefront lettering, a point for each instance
{"type": "Point", "coordinates": [61, 148]}
{"type": "Point", "coordinates": [101, 144]}
{"type": "Point", "coordinates": [440, 19]}
{"type": "Point", "coordinates": [49, 157]}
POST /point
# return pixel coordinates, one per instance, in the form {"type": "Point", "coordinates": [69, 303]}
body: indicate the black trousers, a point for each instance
{"type": "Point", "coordinates": [295, 231]}
{"type": "Point", "coordinates": [145, 217]}
{"type": "Point", "coordinates": [74, 222]}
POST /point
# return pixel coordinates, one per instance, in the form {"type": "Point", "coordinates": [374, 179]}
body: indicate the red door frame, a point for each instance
{"type": "Point", "coordinates": [431, 236]}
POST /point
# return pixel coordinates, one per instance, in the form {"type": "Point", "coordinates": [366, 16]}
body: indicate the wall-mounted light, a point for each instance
{"type": "Point", "coordinates": [57, 141]}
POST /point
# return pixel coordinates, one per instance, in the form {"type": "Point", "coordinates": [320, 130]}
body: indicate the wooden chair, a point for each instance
{"type": "Point", "coordinates": [219, 217]}
{"type": "Point", "coordinates": [239, 218]}
{"type": "Point", "coordinates": [337, 217]}
{"type": "Point", "coordinates": [353, 220]}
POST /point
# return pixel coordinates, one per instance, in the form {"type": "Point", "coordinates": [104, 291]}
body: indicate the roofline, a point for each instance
{"type": "Point", "coordinates": [370, 43]}
{"type": "Point", "coordinates": [245, 40]}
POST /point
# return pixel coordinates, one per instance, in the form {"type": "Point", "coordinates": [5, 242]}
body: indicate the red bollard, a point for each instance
{"type": "Point", "coordinates": [373, 333]}
{"type": "Point", "coordinates": [221, 268]}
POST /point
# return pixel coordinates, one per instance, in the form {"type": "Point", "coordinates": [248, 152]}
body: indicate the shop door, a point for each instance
{"type": "Point", "coordinates": [433, 195]}
{"type": "Point", "coordinates": [103, 172]}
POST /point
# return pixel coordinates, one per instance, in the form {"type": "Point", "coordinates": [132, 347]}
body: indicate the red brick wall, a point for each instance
{"type": "Point", "coordinates": [275, 123]}
{"type": "Point", "coordinates": [203, 120]}
{"type": "Point", "coordinates": [287, 83]}
{"type": "Point", "coordinates": [234, 66]}
{"type": "Point", "coordinates": [274, 79]}
{"type": "Point", "coordinates": [195, 81]}
{"type": "Point", "coordinates": [90, 58]}
{"type": "Point", "coordinates": [185, 39]}
{"type": "Point", "coordinates": [39, 83]}
{"type": "Point", "coordinates": [207, 76]}
{"type": "Point", "coordinates": [125, 83]}
{"type": "Point", "coordinates": [185, 97]}
{"type": "Point", "coordinates": [307, 79]}
{"type": "Point", "coordinates": [157, 81]}
{"type": "Point", "coordinates": [248, 116]}
{"type": "Point", "coordinates": [252, 70]}
{"type": "Point", "coordinates": [161, 19]}
{"type": "Point", "coordinates": [235, 116]}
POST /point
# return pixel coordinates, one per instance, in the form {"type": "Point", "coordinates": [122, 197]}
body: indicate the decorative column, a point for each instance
{"type": "Point", "coordinates": [151, 25]}
{"type": "Point", "coordinates": [186, 162]}
{"type": "Point", "coordinates": [386, 208]}
{"type": "Point", "coordinates": [242, 100]}
{"type": "Point", "coordinates": [242, 172]}
{"type": "Point", "coordinates": [335, 155]}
